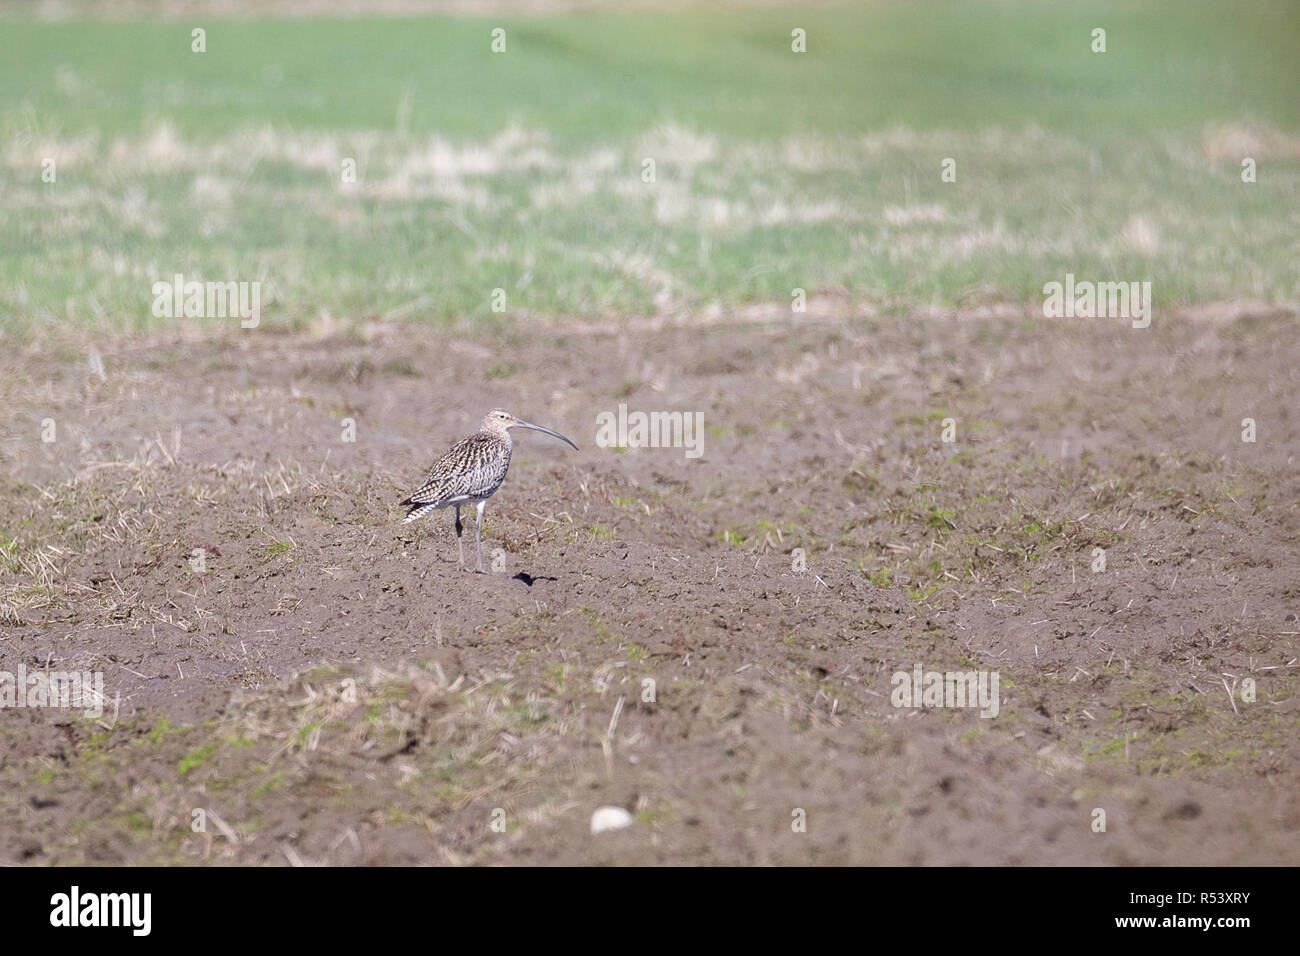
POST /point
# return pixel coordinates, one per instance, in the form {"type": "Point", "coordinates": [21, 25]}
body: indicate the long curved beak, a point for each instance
{"type": "Point", "coordinates": [539, 428]}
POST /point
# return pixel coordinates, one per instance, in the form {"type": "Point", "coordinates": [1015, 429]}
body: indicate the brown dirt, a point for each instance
{"type": "Point", "coordinates": [478, 693]}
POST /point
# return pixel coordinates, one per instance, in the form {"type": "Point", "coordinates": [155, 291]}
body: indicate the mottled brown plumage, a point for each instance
{"type": "Point", "coordinates": [473, 468]}
{"type": "Point", "coordinates": [470, 473]}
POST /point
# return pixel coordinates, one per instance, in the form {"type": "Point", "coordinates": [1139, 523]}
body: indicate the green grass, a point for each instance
{"type": "Point", "coordinates": [276, 548]}
{"type": "Point", "coordinates": [522, 171]}
{"type": "Point", "coordinates": [598, 76]}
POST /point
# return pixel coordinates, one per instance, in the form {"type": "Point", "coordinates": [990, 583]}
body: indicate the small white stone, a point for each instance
{"type": "Point", "coordinates": [610, 818]}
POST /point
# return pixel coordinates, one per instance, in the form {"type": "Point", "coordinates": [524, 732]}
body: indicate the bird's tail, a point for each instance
{"type": "Point", "coordinates": [417, 512]}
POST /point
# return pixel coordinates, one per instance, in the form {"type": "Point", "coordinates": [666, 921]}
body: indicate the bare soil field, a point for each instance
{"type": "Point", "coordinates": [326, 686]}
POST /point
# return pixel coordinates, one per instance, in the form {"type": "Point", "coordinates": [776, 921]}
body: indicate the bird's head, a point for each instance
{"type": "Point", "coordinates": [499, 422]}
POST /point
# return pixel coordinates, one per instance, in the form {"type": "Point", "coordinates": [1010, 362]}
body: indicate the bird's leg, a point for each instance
{"type": "Point", "coordinates": [478, 535]}
{"type": "Point", "coordinates": [459, 546]}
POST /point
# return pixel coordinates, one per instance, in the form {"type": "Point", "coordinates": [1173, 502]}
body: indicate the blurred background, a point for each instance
{"type": "Point", "coordinates": [524, 169]}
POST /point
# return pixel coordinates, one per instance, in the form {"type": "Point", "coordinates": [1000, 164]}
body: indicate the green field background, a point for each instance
{"type": "Point", "coordinates": [1118, 165]}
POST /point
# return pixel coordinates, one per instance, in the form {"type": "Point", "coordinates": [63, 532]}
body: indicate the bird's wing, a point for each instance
{"type": "Point", "coordinates": [473, 468]}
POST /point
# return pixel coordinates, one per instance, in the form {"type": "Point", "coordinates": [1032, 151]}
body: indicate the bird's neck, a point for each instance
{"type": "Point", "coordinates": [502, 436]}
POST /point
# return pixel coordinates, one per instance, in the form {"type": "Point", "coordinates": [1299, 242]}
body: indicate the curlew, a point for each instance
{"type": "Point", "coordinates": [470, 473]}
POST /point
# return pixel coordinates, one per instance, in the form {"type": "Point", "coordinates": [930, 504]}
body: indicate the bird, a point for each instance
{"type": "Point", "coordinates": [470, 473]}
